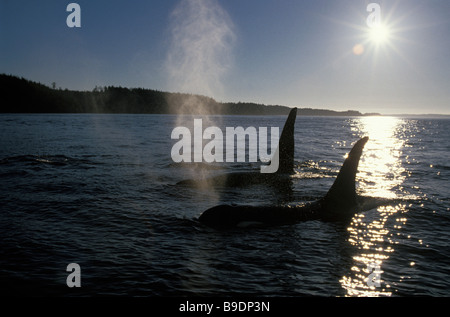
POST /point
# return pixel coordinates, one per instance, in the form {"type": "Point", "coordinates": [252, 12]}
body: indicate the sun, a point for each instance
{"type": "Point", "coordinates": [379, 34]}
{"type": "Point", "coordinates": [379, 37]}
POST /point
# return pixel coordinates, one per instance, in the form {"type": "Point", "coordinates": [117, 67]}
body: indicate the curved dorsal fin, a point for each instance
{"type": "Point", "coordinates": [343, 192]}
{"type": "Point", "coordinates": [286, 144]}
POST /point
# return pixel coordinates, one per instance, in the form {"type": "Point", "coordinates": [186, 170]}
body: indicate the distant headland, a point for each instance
{"type": "Point", "coordinates": [20, 95]}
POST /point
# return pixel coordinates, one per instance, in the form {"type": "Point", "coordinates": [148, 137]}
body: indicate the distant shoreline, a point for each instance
{"type": "Point", "coordinates": [404, 116]}
{"type": "Point", "coordinates": [20, 95]}
{"type": "Point", "coordinates": [430, 116]}
{"type": "Point", "coordinates": [24, 96]}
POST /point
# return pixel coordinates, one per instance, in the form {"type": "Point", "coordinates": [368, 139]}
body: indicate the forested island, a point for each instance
{"type": "Point", "coordinates": [20, 95]}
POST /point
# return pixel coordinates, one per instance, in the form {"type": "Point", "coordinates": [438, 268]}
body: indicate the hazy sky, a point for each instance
{"type": "Point", "coordinates": [286, 52]}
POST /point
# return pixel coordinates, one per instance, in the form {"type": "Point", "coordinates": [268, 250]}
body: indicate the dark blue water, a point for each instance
{"type": "Point", "coordinates": [100, 191]}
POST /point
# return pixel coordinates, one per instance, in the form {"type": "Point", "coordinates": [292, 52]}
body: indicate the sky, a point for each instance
{"type": "Point", "coordinates": [315, 53]}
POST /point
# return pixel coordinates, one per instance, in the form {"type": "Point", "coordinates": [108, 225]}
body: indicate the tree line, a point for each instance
{"type": "Point", "coordinates": [24, 96]}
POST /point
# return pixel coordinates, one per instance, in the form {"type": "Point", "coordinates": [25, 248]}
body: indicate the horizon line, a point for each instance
{"type": "Point", "coordinates": [370, 113]}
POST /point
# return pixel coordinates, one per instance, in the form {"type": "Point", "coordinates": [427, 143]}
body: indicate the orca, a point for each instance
{"type": "Point", "coordinates": [235, 179]}
{"type": "Point", "coordinates": [340, 203]}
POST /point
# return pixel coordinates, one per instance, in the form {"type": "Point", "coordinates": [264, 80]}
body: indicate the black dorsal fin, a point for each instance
{"type": "Point", "coordinates": [343, 192]}
{"type": "Point", "coordinates": [286, 144]}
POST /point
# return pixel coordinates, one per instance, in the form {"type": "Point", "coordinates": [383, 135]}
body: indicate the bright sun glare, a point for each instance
{"type": "Point", "coordinates": [379, 34]}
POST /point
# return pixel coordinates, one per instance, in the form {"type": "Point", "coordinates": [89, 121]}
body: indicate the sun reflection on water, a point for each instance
{"type": "Point", "coordinates": [374, 244]}
{"type": "Point", "coordinates": [380, 169]}
{"type": "Point", "coordinates": [380, 175]}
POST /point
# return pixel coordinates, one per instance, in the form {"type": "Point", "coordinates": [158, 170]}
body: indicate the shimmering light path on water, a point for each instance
{"type": "Point", "coordinates": [100, 191]}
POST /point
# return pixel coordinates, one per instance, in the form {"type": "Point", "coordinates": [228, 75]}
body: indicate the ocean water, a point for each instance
{"type": "Point", "coordinates": [101, 191]}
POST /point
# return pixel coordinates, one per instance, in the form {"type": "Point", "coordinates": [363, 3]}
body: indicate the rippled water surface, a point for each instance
{"type": "Point", "coordinates": [100, 191]}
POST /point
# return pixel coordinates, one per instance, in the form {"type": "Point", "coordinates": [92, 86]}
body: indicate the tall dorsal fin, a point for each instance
{"type": "Point", "coordinates": [343, 192]}
{"type": "Point", "coordinates": [286, 144]}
